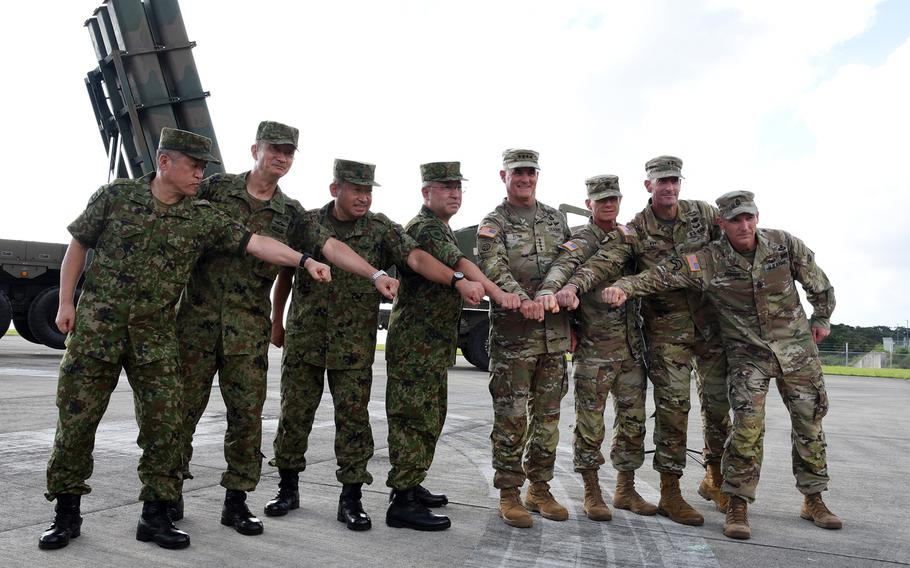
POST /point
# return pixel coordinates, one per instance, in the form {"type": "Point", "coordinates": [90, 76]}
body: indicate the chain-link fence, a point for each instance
{"type": "Point", "coordinates": [867, 359]}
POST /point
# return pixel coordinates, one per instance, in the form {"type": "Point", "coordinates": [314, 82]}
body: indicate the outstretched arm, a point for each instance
{"type": "Point", "coordinates": [506, 300]}
{"type": "Point", "coordinates": [276, 252]}
{"type": "Point", "coordinates": [344, 257]}
{"type": "Point", "coordinates": [426, 265]}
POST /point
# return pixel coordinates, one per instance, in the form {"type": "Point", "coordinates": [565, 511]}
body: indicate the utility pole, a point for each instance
{"type": "Point", "coordinates": [846, 354]}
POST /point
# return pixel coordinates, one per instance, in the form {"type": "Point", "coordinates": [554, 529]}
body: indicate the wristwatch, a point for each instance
{"type": "Point", "coordinates": [456, 276]}
{"type": "Point", "coordinates": [378, 274]}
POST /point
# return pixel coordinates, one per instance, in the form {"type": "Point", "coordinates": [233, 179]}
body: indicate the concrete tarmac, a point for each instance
{"type": "Point", "coordinates": [868, 451]}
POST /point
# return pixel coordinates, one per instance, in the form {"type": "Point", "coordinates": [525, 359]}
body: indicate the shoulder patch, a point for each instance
{"type": "Point", "coordinates": [97, 194]}
{"type": "Point", "coordinates": [692, 261]}
{"type": "Point", "coordinates": [569, 246]}
{"type": "Point", "coordinates": [487, 232]}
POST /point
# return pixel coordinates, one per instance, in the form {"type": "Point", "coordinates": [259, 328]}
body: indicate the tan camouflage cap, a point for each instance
{"type": "Point", "coordinates": [601, 187]}
{"type": "Point", "coordinates": [733, 203]}
{"type": "Point", "coordinates": [518, 158]}
{"type": "Point", "coordinates": [277, 133]}
{"type": "Point", "coordinates": [189, 143]}
{"type": "Point", "coordinates": [664, 167]}
{"type": "Point", "coordinates": [358, 173]}
{"type": "Point", "coordinates": [441, 171]}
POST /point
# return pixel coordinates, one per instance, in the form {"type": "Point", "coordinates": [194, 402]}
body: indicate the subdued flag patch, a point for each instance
{"type": "Point", "coordinates": [694, 265]}
{"type": "Point", "coordinates": [569, 246]}
{"type": "Point", "coordinates": [488, 232]}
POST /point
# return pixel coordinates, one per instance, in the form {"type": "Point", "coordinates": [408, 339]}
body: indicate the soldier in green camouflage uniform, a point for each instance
{"type": "Point", "coordinates": [608, 357]}
{"type": "Point", "coordinates": [421, 343]}
{"type": "Point", "coordinates": [146, 238]}
{"type": "Point", "coordinates": [681, 335]}
{"type": "Point", "coordinates": [332, 330]}
{"type": "Point", "coordinates": [517, 243]}
{"type": "Point", "coordinates": [750, 277]}
{"type": "Point", "coordinates": [223, 318]}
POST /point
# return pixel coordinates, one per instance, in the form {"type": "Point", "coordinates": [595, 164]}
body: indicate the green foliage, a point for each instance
{"type": "Point", "coordinates": [860, 338]}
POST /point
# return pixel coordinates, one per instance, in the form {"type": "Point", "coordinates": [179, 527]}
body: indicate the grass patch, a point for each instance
{"type": "Point", "coordinates": [857, 372]}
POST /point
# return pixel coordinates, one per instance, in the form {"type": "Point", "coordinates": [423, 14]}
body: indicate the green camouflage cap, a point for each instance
{"type": "Point", "coordinates": [664, 167]}
{"type": "Point", "coordinates": [189, 143]}
{"type": "Point", "coordinates": [735, 202]}
{"type": "Point", "coordinates": [441, 171]}
{"type": "Point", "coordinates": [277, 133]}
{"type": "Point", "coordinates": [601, 187]}
{"type": "Point", "coordinates": [518, 158]}
{"type": "Point", "coordinates": [358, 173]}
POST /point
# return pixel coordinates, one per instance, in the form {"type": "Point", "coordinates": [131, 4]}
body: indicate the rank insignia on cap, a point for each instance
{"type": "Point", "coordinates": [488, 232]}
{"type": "Point", "coordinates": [569, 246]}
{"type": "Point", "coordinates": [694, 265]}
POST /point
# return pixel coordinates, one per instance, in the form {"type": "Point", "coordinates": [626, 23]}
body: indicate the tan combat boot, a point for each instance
{"type": "Point", "coordinates": [512, 511]}
{"type": "Point", "coordinates": [673, 505]}
{"type": "Point", "coordinates": [736, 525]}
{"type": "Point", "coordinates": [595, 508]}
{"type": "Point", "coordinates": [540, 500]}
{"type": "Point", "coordinates": [709, 488]}
{"type": "Point", "coordinates": [626, 497]}
{"type": "Point", "coordinates": [815, 510]}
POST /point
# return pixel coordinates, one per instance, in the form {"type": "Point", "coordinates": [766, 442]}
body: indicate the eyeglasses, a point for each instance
{"type": "Point", "coordinates": [447, 189]}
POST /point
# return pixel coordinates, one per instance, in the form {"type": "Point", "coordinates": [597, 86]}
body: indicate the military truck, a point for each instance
{"type": "Point", "coordinates": [146, 79]}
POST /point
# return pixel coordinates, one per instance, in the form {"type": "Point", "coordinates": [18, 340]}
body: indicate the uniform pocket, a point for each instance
{"type": "Point", "coordinates": [821, 399]}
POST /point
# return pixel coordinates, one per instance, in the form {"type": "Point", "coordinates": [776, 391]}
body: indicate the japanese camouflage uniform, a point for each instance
{"type": "Point", "coordinates": [765, 334]}
{"type": "Point", "coordinates": [332, 327]}
{"type": "Point", "coordinates": [527, 358]}
{"type": "Point", "coordinates": [420, 346]}
{"type": "Point", "coordinates": [144, 252]}
{"type": "Point", "coordinates": [608, 357]}
{"type": "Point", "coordinates": [224, 316]}
{"type": "Point", "coordinates": [680, 331]}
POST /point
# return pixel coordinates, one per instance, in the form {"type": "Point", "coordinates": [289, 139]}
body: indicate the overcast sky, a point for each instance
{"type": "Point", "coordinates": [805, 103]}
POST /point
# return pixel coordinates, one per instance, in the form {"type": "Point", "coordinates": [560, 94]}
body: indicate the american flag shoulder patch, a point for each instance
{"type": "Point", "coordinates": [488, 232]}
{"type": "Point", "coordinates": [569, 246]}
{"type": "Point", "coordinates": [694, 265]}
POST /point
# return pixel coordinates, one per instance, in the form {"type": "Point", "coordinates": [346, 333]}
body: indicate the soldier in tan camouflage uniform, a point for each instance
{"type": "Point", "coordinates": [223, 318]}
{"type": "Point", "coordinates": [332, 330]}
{"type": "Point", "coordinates": [517, 243]}
{"type": "Point", "coordinates": [421, 343]}
{"type": "Point", "coordinates": [750, 276]}
{"type": "Point", "coordinates": [146, 236]}
{"type": "Point", "coordinates": [681, 336]}
{"type": "Point", "coordinates": [608, 357]}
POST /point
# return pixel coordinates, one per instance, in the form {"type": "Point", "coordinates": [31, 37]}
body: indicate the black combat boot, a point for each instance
{"type": "Point", "coordinates": [406, 510]}
{"type": "Point", "coordinates": [236, 514]}
{"type": "Point", "coordinates": [431, 500]}
{"type": "Point", "coordinates": [288, 496]}
{"type": "Point", "coordinates": [175, 509]}
{"type": "Point", "coordinates": [350, 511]}
{"type": "Point", "coordinates": [66, 525]}
{"type": "Point", "coordinates": [155, 525]}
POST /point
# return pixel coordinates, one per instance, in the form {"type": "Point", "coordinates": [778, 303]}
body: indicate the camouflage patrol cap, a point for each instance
{"type": "Point", "coordinates": [441, 171]}
{"type": "Point", "coordinates": [518, 158]}
{"type": "Point", "coordinates": [277, 133]}
{"type": "Point", "coordinates": [189, 143]}
{"type": "Point", "coordinates": [733, 203]}
{"type": "Point", "coordinates": [601, 187]}
{"type": "Point", "coordinates": [358, 173]}
{"type": "Point", "coordinates": [664, 167]}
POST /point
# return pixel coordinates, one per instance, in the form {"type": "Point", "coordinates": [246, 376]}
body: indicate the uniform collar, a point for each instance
{"type": "Point", "coordinates": [277, 203]}
{"type": "Point", "coordinates": [512, 211]}
{"type": "Point", "coordinates": [325, 216]}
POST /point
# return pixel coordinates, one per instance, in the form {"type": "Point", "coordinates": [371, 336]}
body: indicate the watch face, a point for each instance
{"type": "Point", "coordinates": [458, 275]}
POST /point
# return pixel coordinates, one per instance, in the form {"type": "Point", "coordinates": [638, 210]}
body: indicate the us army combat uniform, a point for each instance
{"type": "Point", "coordinates": [682, 337]}
{"type": "Point", "coordinates": [224, 323]}
{"type": "Point", "coordinates": [332, 327]}
{"type": "Point", "coordinates": [144, 252]}
{"type": "Point", "coordinates": [420, 347]}
{"type": "Point", "coordinates": [766, 334]}
{"type": "Point", "coordinates": [609, 353]}
{"type": "Point", "coordinates": [527, 358]}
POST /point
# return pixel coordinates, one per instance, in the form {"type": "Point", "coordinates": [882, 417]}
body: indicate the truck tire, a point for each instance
{"type": "Point", "coordinates": [477, 348]}
{"type": "Point", "coordinates": [41, 315]}
{"type": "Point", "coordinates": [25, 332]}
{"type": "Point", "coordinates": [6, 314]}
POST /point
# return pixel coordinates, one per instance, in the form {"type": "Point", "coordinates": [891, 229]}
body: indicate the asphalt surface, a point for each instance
{"type": "Point", "coordinates": [868, 453]}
